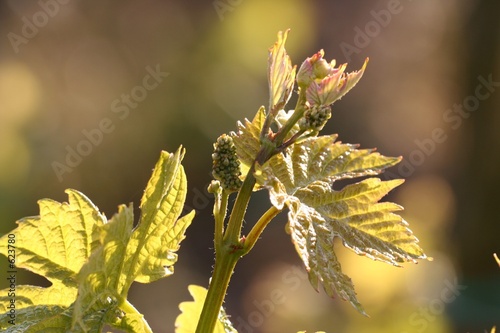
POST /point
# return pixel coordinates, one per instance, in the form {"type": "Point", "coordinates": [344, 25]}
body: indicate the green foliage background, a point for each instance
{"type": "Point", "coordinates": [428, 58]}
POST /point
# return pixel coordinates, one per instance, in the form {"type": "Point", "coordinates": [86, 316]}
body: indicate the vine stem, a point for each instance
{"type": "Point", "coordinates": [232, 246]}
{"type": "Point", "coordinates": [224, 267]}
{"type": "Point", "coordinates": [235, 223]}
{"type": "Point", "coordinates": [227, 255]}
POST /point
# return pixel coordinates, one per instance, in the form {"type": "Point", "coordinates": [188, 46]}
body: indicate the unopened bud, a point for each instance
{"type": "Point", "coordinates": [315, 117]}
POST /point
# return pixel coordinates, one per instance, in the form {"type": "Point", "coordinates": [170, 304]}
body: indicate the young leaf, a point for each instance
{"type": "Point", "coordinates": [102, 278]}
{"type": "Point", "coordinates": [334, 86]}
{"type": "Point", "coordinates": [144, 254]}
{"type": "Point", "coordinates": [302, 179]}
{"type": "Point", "coordinates": [39, 319]}
{"type": "Point", "coordinates": [247, 139]}
{"type": "Point", "coordinates": [160, 231]}
{"type": "Point", "coordinates": [55, 244]}
{"type": "Point", "coordinates": [190, 313]}
{"type": "Point", "coordinates": [94, 261]}
{"type": "Point", "coordinates": [281, 75]}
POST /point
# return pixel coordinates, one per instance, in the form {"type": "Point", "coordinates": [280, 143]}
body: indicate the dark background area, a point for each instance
{"type": "Point", "coordinates": [65, 67]}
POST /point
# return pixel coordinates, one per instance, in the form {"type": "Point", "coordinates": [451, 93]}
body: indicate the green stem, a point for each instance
{"type": "Point", "coordinates": [291, 141]}
{"type": "Point", "coordinates": [229, 249]}
{"type": "Point", "coordinates": [297, 114]}
{"type": "Point", "coordinates": [235, 223]}
{"type": "Point", "coordinates": [258, 228]}
{"type": "Point", "coordinates": [224, 266]}
{"type": "Point", "coordinates": [233, 232]}
{"type": "Point", "coordinates": [226, 256]}
{"type": "Point", "coordinates": [220, 209]}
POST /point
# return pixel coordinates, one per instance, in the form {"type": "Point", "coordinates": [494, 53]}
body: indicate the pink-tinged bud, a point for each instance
{"type": "Point", "coordinates": [306, 73]}
{"type": "Point", "coordinates": [315, 68]}
{"type": "Point", "coordinates": [333, 86]}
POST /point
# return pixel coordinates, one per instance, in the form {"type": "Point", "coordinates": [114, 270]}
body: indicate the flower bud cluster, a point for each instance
{"type": "Point", "coordinates": [226, 166]}
{"type": "Point", "coordinates": [315, 117]}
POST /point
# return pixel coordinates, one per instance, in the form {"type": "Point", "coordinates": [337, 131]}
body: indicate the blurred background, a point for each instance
{"type": "Point", "coordinates": [91, 92]}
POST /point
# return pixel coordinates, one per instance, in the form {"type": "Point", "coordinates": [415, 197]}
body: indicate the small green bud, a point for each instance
{"type": "Point", "coordinates": [214, 187]}
{"type": "Point", "coordinates": [322, 68]}
{"type": "Point", "coordinates": [226, 166]}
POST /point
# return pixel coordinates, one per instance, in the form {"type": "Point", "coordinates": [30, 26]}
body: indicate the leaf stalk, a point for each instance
{"type": "Point", "coordinates": [258, 228]}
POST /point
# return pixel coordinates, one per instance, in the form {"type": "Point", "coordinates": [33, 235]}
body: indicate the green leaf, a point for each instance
{"type": "Point", "coordinates": [302, 180]}
{"type": "Point", "coordinates": [128, 319]}
{"type": "Point", "coordinates": [281, 75]}
{"type": "Point", "coordinates": [40, 319]}
{"type": "Point", "coordinates": [55, 244]}
{"type": "Point", "coordinates": [144, 254]}
{"type": "Point", "coordinates": [187, 321]}
{"type": "Point", "coordinates": [91, 262]}
{"type": "Point", "coordinates": [247, 141]}
{"type": "Point", "coordinates": [102, 278]}
{"type": "Point", "coordinates": [160, 230]}
{"type": "Point", "coordinates": [58, 242]}
{"type": "Point", "coordinates": [247, 138]}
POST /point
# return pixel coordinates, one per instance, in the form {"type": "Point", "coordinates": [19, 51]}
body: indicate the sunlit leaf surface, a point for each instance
{"type": "Point", "coordinates": [302, 180]}
{"type": "Point", "coordinates": [91, 262]}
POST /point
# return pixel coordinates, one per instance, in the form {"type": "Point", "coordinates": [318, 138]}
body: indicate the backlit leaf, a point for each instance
{"type": "Point", "coordinates": [144, 254]}
{"type": "Point", "coordinates": [281, 75]}
{"type": "Point", "coordinates": [187, 321]}
{"type": "Point", "coordinates": [151, 251]}
{"type": "Point", "coordinates": [91, 262]}
{"type": "Point", "coordinates": [302, 179]}
{"type": "Point", "coordinates": [55, 244]}
{"type": "Point", "coordinates": [247, 141]}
